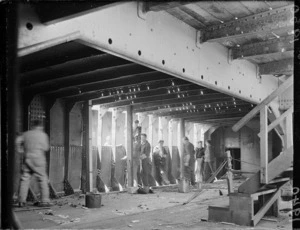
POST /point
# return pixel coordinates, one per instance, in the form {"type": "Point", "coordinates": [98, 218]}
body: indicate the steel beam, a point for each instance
{"type": "Point", "coordinates": [205, 98]}
{"type": "Point", "coordinates": [265, 48]}
{"type": "Point", "coordinates": [213, 116]}
{"type": "Point", "coordinates": [285, 66]}
{"type": "Point", "coordinates": [88, 77]}
{"type": "Point", "coordinates": [159, 42]}
{"type": "Point", "coordinates": [157, 98]}
{"type": "Point", "coordinates": [262, 23]}
{"type": "Point", "coordinates": [72, 67]}
{"type": "Point", "coordinates": [166, 5]}
{"type": "Point", "coordinates": [103, 86]}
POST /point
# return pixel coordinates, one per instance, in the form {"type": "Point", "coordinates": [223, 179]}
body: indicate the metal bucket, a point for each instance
{"type": "Point", "coordinates": [93, 200]}
{"type": "Point", "coordinates": [184, 185]}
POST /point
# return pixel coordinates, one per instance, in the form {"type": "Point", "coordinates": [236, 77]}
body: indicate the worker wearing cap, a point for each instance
{"type": "Point", "coordinates": [189, 160]}
{"type": "Point", "coordinates": [160, 162]}
{"type": "Point", "coordinates": [146, 161]}
{"type": "Point", "coordinates": [36, 143]}
{"type": "Point", "coordinates": [137, 130]}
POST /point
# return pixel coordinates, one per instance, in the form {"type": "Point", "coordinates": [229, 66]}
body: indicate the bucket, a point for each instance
{"type": "Point", "coordinates": [93, 200]}
{"type": "Point", "coordinates": [184, 185]}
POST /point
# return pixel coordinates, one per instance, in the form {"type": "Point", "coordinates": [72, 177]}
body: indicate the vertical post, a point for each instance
{"type": "Point", "coordinates": [264, 145]}
{"type": "Point", "coordinates": [88, 145]}
{"type": "Point", "coordinates": [229, 173]}
{"type": "Point", "coordinates": [114, 133]}
{"type": "Point", "coordinates": [129, 145]}
{"type": "Point", "coordinates": [289, 131]}
{"type": "Point", "coordinates": [150, 134]}
{"type": "Point", "coordinates": [195, 134]}
{"type": "Point", "coordinates": [170, 135]}
{"type": "Point", "coordinates": [181, 133]}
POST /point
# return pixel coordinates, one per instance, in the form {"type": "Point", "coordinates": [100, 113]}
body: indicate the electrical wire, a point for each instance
{"type": "Point", "coordinates": [246, 162]}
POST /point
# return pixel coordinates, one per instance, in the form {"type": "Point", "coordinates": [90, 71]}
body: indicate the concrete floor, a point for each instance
{"type": "Point", "coordinates": [162, 210]}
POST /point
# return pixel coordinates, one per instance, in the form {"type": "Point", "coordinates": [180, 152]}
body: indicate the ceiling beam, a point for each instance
{"type": "Point", "coordinates": [262, 23]}
{"type": "Point", "coordinates": [264, 48]}
{"type": "Point", "coordinates": [123, 81]}
{"type": "Point", "coordinates": [225, 100]}
{"type": "Point", "coordinates": [203, 111]}
{"type": "Point", "coordinates": [202, 108]}
{"type": "Point", "coordinates": [88, 78]}
{"type": "Point", "coordinates": [194, 118]}
{"type": "Point", "coordinates": [160, 6]}
{"type": "Point", "coordinates": [72, 67]}
{"type": "Point", "coordinates": [207, 98]}
{"type": "Point", "coordinates": [151, 88]}
{"type": "Point", "coordinates": [150, 98]}
{"type": "Point", "coordinates": [285, 66]}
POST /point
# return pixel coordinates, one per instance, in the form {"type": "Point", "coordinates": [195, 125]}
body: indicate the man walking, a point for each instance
{"type": "Point", "coordinates": [35, 143]}
{"type": "Point", "coordinates": [189, 159]}
{"type": "Point", "coordinates": [199, 163]}
{"type": "Point", "coordinates": [146, 161]}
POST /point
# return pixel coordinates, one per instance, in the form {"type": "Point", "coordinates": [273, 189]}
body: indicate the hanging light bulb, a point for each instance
{"type": "Point", "coordinates": [173, 83]}
{"type": "Point", "coordinates": [133, 89]}
{"type": "Point", "coordinates": [178, 89]}
{"type": "Point", "coordinates": [201, 92]}
{"type": "Point", "coordinates": [102, 94]}
{"type": "Point", "coordinates": [130, 90]}
{"type": "Point", "coordinates": [148, 87]}
{"type": "Point", "coordinates": [134, 96]}
{"type": "Point", "coordinates": [169, 91]}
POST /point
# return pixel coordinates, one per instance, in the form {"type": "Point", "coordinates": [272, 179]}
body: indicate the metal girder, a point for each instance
{"type": "Point", "coordinates": [191, 105]}
{"type": "Point", "coordinates": [211, 116]}
{"type": "Point", "coordinates": [85, 78]}
{"type": "Point", "coordinates": [138, 92]}
{"type": "Point", "coordinates": [101, 86]}
{"type": "Point", "coordinates": [72, 67]}
{"type": "Point", "coordinates": [285, 66]}
{"type": "Point", "coordinates": [283, 44]}
{"type": "Point", "coordinates": [261, 23]}
{"type": "Point", "coordinates": [149, 97]}
{"type": "Point", "coordinates": [196, 112]}
{"type": "Point", "coordinates": [159, 42]}
{"type": "Point", "coordinates": [166, 5]}
{"type": "Point", "coordinates": [207, 98]}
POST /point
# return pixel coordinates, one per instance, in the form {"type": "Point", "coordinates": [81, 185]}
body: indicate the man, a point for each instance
{"type": "Point", "coordinates": [160, 161]}
{"type": "Point", "coordinates": [189, 160]}
{"type": "Point", "coordinates": [36, 143]}
{"type": "Point", "coordinates": [137, 130]}
{"type": "Point", "coordinates": [146, 162]}
{"type": "Point", "coordinates": [136, 161]}
{"type": "Point", "coordinates": [208, 157]}
{"type": "Point", "coordinates": [199, 162]}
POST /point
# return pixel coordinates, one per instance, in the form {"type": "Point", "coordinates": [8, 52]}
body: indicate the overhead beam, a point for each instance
{"type": "Point", "coordinates": [205, 98]}
{"type": "Point", "coordinates": [213, 116]}
{"type": "Point", "coordinates": [264, 48]}
{"type": "Point", "coordinates": [100, 86]}
{"type": "Point", "coordinates": [207, 66]}
{"type": "Point", "coordinates": [161, 6]}
{"type": "Point", "coordinates": [157, 98]}
{"type": "Point", "coordinates": [88, 77]}
{"type": "Point", "coordinates": [262, 23]}
{"type": "Point", "coordinates": [285, 66]}
{"type": "Point", "coordinates": [72, 67]}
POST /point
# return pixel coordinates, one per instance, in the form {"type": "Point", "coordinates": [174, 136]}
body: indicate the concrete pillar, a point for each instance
{"type": "Point", "coordinates": [129, 141]}
{"type": "Point", "coordinates": [170, 135]}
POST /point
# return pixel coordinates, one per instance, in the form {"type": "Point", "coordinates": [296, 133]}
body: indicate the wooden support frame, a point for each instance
{"type": "Point", "coordinates": [285, 66]}
{"type": "Point", "coordinates": [282, 88]}
{"type": "Point", "coordinates": [181, 135]}
{"type": "Point", "coordinates": [229, 173]}
{"type": "Point", "coordinates": [264, 145]}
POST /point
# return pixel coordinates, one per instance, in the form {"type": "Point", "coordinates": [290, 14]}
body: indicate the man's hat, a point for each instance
{"type": "Point", "coordinates": [160, 141]}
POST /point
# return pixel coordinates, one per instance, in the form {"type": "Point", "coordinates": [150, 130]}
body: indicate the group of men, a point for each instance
{"type": "Point", "coordinates": [35, 142]}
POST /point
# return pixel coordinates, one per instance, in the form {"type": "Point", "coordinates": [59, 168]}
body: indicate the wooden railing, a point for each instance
{"type": "Point", "coordinates": [286, 117]}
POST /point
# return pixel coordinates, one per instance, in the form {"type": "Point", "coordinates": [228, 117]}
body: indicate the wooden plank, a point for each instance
{"type": "Point", "coordinates": [264, 145]}
{"type": "Point", "coordinates": [209, 180]}
{"type": "Point", "coordinates": [257, 194]}
{"type": "Point", "coordinates": [282, 88]}
{"type": "Point", "coordinates": [289, 130]}
{"type": "Point", "coordinates": [129, 122]}
{"type": "Point", "coordinates": [161, 6]}
{"type": "Point", "coordinates": [265, 208]}
{"type": "Point", "coordinates": [280, 119]}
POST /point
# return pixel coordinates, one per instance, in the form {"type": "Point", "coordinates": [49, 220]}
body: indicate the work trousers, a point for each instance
{"type": "Point", "coordinates": [34, 165]}
{"type": "Point", "coordinates": [199, 169]}
{"type": "Point", "coordinates": [146, 171]}
{"type": "Point", "coordinates": [161, 170]}
{"type": "Point", "coordinates": [189, 171]}
{"type": "Point", "coordinates": [136, 170]}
